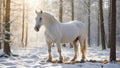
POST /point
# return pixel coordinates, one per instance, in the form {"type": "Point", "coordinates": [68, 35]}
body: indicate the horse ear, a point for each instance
{"type": "Point", "coordinates": [36, 11]}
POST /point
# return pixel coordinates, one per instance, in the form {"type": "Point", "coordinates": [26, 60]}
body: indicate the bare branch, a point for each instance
{"type": "Point", "coordinates": [8, 41]}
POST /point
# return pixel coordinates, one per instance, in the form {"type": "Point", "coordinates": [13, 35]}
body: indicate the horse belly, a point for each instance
{"type": "Point", "coordinates": [69, 35]}
{"type": "Point", "coordinates": [67, 40]}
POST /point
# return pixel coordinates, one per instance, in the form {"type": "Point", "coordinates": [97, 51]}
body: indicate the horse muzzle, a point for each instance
{"type": "Point", "coordinates": [36, 29]}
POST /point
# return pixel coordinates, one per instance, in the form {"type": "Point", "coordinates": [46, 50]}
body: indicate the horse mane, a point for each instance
{"type": "Point", "coordinates": [52, 17]}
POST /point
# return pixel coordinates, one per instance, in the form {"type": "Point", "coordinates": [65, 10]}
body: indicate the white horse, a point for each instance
{"type": "Point", "coordinates": [56, 32]}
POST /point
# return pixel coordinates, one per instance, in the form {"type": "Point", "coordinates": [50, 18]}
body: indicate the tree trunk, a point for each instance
{"type": "Point", "coordinates": [72, 5]}
{"type": "Point", "coordinates": [7, 27]}
{"type": "Point", "coordinates": [61, 10]}
{"type": "Point", "coordinates": [26, 39]}
{"type": "Point", "coordinates": [3, 20]}
{"type": "Point", "coordinates": [0, 22]}
{"type": "Point", "coordinates": [4, 6]}
{"type": "Point", "coordinates": [61, 14]}
{"type": "Point", "coordinates": [109, 21]}
{"type": "Point", "coordinates": [113, 32]}
{"type": "Point", "coordinates": [102, 25]}
{"type": "Point", "coordinates": [98, 28]}
{"type": "Point", "coordinates": [72, 16]}
{"type": "Point", "coordinates": [22, 39]}
{"type": "Point", "coordinates": [89, 22]}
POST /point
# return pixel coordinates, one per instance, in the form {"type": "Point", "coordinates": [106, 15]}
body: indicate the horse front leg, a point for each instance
{"type": "Point", "coordinates": [49, 52]}
{"type": "Point", "coordinates": [60, 53]}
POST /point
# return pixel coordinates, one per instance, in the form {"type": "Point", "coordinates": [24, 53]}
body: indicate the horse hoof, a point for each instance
{"type": "Point", "coordinates": [82, 61]}
{"type": "Point", "coordinates": [49, 60]}
{"type": "Point", "coordinates": [73, 60]}
{"type": "Point", "coordinates": [60, 61]}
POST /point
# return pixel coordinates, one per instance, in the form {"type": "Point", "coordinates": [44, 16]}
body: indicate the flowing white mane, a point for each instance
{"type": "Point", "coordinates": [51, 17]}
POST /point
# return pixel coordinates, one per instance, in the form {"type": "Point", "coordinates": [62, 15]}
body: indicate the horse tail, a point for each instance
{"type": "Point", "coordinates": [85, 45]}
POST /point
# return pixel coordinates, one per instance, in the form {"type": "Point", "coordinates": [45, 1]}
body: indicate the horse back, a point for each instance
{"type": "Point", "coordinates": [74, 25]}
{"type": "Point", "coordinates": [71, 30]}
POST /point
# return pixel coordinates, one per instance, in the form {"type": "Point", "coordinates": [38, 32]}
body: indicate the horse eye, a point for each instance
{"type": "Point", "coordinates": [40, 18]}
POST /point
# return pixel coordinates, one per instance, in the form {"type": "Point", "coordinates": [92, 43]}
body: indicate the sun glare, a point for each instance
{"type": "Point", "coordinates": [33, 3]}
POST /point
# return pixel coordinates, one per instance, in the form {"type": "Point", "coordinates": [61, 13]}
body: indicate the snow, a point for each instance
{"type": "Point", "coordinates": [7, 32]}
{"type": "Point", "coordinates": [36, 58]}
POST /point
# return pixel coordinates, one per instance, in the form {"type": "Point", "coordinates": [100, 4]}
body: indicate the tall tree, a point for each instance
{"type": "Point", "coordinates": [109, 21]}
{"type": "Point", "coordinates": [7, 27]}
{"type": "Point", "coordinates": [23, 20]}
{"type": "Point", "coordinates": [3, 19]}
{"type": "Point", "coordinates": [102, 24]}
{"type": "Point", "coordinates": [3, 10]}
{"type": "Point", "coordinates": [89, 22]}
{"type": "Point", "coordinates": [72, 5]}
{"type": "Point", "coordinates": [61, 10]}
{"type": "Point", "coordinates": [98, 43]}
{"type": "Point", "coordinates": [72, 16]}
{"type": "Point", "coordinates": [113, 32]}
{"type": "Point", "coordinates": [61, 13]}
{"type": "Point", "coordinates": [26, 38]}
{"type": "Point", "coordinates": [0, 21]}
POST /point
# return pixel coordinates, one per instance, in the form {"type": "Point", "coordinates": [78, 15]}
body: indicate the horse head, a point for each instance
{"type": "Point", "coordinates": [44, 18]}
{"type": "Point", "coordinates": [38, 20]}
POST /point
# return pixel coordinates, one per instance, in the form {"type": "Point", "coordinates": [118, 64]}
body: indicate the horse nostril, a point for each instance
{"type": "Point", "coordinates": [37, 29]}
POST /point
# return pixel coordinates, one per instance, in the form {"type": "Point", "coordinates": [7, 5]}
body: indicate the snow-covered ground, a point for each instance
{"type": "Point", "coordinates": [36, 57]}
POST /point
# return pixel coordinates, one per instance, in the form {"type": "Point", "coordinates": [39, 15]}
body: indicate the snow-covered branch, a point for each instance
{"type": "Point", "coordinates": [8, 41]}
{"type": "Point", "coordinates": [1, 39]}
{"type": "Point", "coordinates": [7, 32]}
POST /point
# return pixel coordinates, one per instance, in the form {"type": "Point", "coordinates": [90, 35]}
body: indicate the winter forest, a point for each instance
{"type": "Point", "coordinates": [22, 47]}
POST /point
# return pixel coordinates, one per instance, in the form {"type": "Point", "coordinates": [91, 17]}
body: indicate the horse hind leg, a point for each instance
{"type": "Point", "coordinates": [83, 48]}
{"type": "Point", "coordinates": [60, 53]}
{"type": "Point", "coordinates": [74, 43]}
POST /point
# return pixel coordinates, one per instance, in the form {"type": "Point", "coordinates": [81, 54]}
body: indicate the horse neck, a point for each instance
{"type": "Point", "coordinates": [50, 21]}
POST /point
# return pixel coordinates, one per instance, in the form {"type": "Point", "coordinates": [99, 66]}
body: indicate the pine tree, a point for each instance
{"type": "Point", "coordinates": [89, 22]}
{"type": "Point", "coordinates": [26, 39]}
{"type": "Point", "coordinates": [102, 24]}
{"type": "Point", "coordinates": [109, 23]}
{"type": "Point", "coordinates": [72, 16]}
{"type": "Point", "coordinates": [113, 32]}
{"type": "Point", "coordinates": [0, 22]}
{"type": "Point", "coordinates": [7, 27]}
{"type": "Point", "coordinates": [23, 13]}
{"type": "Point", "coordinates": [61, 10]}
{"type": "Point", "coordinates": [98, 43]}
{"type": "Point", "coordinates": [72, 5]}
